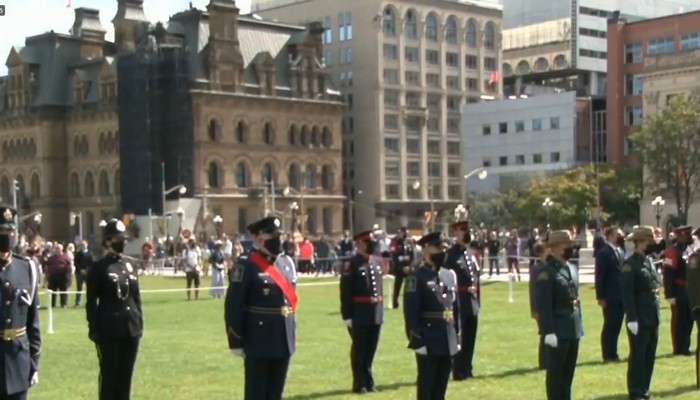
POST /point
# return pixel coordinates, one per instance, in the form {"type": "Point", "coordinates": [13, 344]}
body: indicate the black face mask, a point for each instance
{"type": "Point", "coordinates": [467, 237]}
{"type": "Point", "coordinates": [273, 245]}
{"type": "Point", "coordinates": [649, 250]}
{"type": "Point", "coordinates": [118, 246]}
{"type": "Point", "coordinates": [438, 259]}
{"type": "Point", "coordinates": [5, 243]}
{"type": "Point", "coordinates": [371, 246]}
{"type": "Point", "coordinates": [568, 253]}
{"type": "Point", "coordinates": [620, 241]}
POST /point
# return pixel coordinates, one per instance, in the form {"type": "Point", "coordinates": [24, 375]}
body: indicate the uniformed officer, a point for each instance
{"type": "Point", "coordinates": [402, 259]}
{"type": "Point", "coordinates": [694, 300]}
{"type": "Point", "coordinates": [675, 291]}
{"type": "Point", "coordinates": [362, 309]}
{"type": "Point", "coordinates": [640, 298]}
{"type": "Point", "coordinates": [559, 316]}
{"type": "Point", "coordinates": [260, 309]}
{"type": "Point", "coordinates": [460, 260]}
{"type": "Point", "coordinates": [114, 314]}
{"type": "Point", "coordinates": [430, 324]}
{"type": "Point", "coordinates": [540, 256]}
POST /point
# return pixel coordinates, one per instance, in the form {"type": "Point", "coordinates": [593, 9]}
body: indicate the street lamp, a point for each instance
{"type": "Point", "coordinates": [416, 186]}
{"type": "Point", "coordinates": [481, 173]}
{"type": "Point", "coordinates": [658, 204]}
{"type": "Point", "coordinates": [547, 204]}
{"type": "Point", "coordinates": [461, 212]}
{"type": "Point", "coordinates": [77, 217]}
{"type": "Point", "coordinates": [217, 223]}
{"type": "Point", "coordinates": [286, 192]}
{"type": "Point", "coordinates": [182, 189]}
{"type": "Point", "coordinates": [294, 207]}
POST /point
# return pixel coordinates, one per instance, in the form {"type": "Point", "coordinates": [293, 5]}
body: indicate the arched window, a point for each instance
{"type": "Point", "coordinates": [74, 185]}
{"type": "Point", "coordinates": [310, 177]}
{"type": "Point", "coordinates": [327, 177]}
{"type": "Point", "coordinates": [293, 133]}
{"type": "Point", "coordinates": [214, 130]}
{"type": "Point", "coordinates": [84, 146]}
{"type": "Point", "coordinates": [76, 146]}
{"type": "Point", "coordinates": [294, 178]}
{"type": "Point", "coordinates": [431, 27]}
{"type": "Point", "coordinates": [213, 175]}
{"type": "Point", "coordinates": [5, 189]}
{"type": "Point", "coordinates": [389, 21]}
{"type": "Point", "coordinates": [268, 134]}
{"type": "Point", "coordinates": [35, 186]}
{"type": "Point", "coordinates": [89, 184]}
{"type": "Point", "coordinates": [101, 144]}
{"type": "Point", "coordinates": [327, 137]}
{"type": "Point", "coordinates": [315, 136]}
{"type": "Point", "coordinates": [241, 175]}
{"type": "Point", "coordinates": [117, 181]}
{"type": "Point", "coordinates": [103, 183]}
{"type": "Point", "coordinates": [268, 173]}
{"type": "Point", "coordinates": [489, 36]}
{"type": "Point", "coordinates": [411, 31]}
{"type": "Point", "coordinates": [241, 132]}
{"type": "Point", "coordinates": [32, 147]}
{"type": "Point", "coordinates": [471, 33]}
{"type": "Point", "coordinates": [304, 140]}
{"type": "Point", "coordinates": [451, 30]}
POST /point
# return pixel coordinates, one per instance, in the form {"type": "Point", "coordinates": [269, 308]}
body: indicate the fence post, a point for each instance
{"type": "Point", "coordinates": [49, 306]}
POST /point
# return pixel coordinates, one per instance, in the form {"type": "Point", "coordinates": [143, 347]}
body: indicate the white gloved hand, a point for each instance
{"type": "Point", "coordinates": [35, 379]}
{"type": "Point", "coordinates": [551, 340]}
{"type": "Point", "coordinates": [238, 352]}
{"type": "Point", "coordinates": [672, 302]}
{"type": "Point", "coordinates": [348, 322]}
{"type": "Point", "coordinates": [459, 348]}
{"type": "Point", "coordinates": [423, 351]}
{"type": "Point", "coordinates": [633, 327]}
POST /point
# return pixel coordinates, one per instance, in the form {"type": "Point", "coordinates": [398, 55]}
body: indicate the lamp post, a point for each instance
{"type": "Point", "coordinates": [217, 223]}
{"type": "Point", "coordinates": [182, 189]}
{"type": "Point", "coordinates": [658, 204]}
{"type": "Point", "coordinates": [77, 217]}
{"type": "Point", "coordinates": [15, 189]}
{"type": "Point", "coordinates": [547, 204]}
{"type": "Point", "coordinates": [299, 207]}
{"type": "Point", "coordinates": [294, 207]}
{"type": "Point", "coordinates": [481, 173]}
{"type": "Point", "coordinates": [416, 185]}
{"type": "Point", "coordinates": [351, 212]}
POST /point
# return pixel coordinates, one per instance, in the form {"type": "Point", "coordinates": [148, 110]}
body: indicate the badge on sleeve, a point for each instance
{"type": "Point", "coordinates": [237, 274]}
{"type": "Point", "coordinates": [543, 276]}
{"type": "Point", "coordinates": [626, 267]}
{"type": "Point", "coordinates": [411, 284]}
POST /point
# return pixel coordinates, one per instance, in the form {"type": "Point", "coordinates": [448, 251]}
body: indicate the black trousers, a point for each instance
{"type": "Point", "coordinates": [14, 396]}
{"type": "Point", "coordinates": [59, 283]}
{"type": "Point", "coordinates": [640, 364]}
{"type": "Point", "coordinates": [364, 346]}
{"type": "Point", "coordinates": [79, 281]}
{"type": "Point", "coordinates": [561, 365]}
{"type": "Point", "coordinates": [681, 325]}
{"type": "Point", "coordinates": [541, 357]}
{"type": "Point", "coordinates": [463, 360]}
{"type": "Point", "coordinates": [613, 314]}
{"type": "Point", "coordinates": [265, 378]}
{"type": "Point", "coordinates": [399, 276]}
{"type": "Point", "coordinates": [433, 375]}
{"type": "Point", "coordinates": [117, 359]}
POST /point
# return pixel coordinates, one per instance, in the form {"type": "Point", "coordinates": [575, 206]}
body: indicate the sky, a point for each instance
{"type": "Point", "coordinates": [32, 17]}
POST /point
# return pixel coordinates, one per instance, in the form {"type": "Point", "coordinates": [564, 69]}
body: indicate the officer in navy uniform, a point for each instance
{"type": "Point", "coordinates": [401, 258]}
{"type": "Point", "coordinates": [19, 305]}
{"type": "Point", "coordinates": [559, 316]}
{"type": "Point", "coordinates": [362, 309]}
{"type": "Point", "coordinates": [260, 313]}
{"type": "Point", "coordinates": [432, 331]}
{"type": "Point", "coordinates": [114, 314]}
{"type": "Point", "coordinates": [464, 264]}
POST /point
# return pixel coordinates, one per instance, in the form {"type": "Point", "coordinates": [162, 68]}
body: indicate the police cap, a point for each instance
{"type": "Point", "coordinates": [265, 225]}
{"type": "Point", "coordinates": [114, 228]}
{"type": "Point", "coordinates": [431, 239]}
{"type": "Point", "coordinates": [683, 230]}
{"type": "Point", "coordinates": [364, 236]}
{"type": "Point", "coordinates": [7, 217]}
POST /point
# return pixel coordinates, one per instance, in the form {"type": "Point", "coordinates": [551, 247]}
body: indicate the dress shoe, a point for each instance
{"type": "Point", "coordinates": [373, 389]}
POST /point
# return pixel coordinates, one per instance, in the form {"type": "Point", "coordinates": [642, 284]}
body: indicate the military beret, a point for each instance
{"type": "Point", "coordinates": [265, 225]}
{"type": "Point", "coordinates": [7, 217]}
{"type": "Point", "coordinates": [114, 228]}
{"type": "Point", "coordinates": [431, 239]}
{"type": "Point", "coordinates": [460, 226]}
{"type": "Point", "coordinates": [363, 236]}
{"type": "Point", "coordinates": [683, 230]}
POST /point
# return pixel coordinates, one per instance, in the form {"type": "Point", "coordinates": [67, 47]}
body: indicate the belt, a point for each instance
{"type": "Point", "coordinates": [446, 315]}
{"type": "Point", "coordinates": [12, 334]}
{"type": "Point", "coordinates": [368, 299]}
{"type": "Point", "coordinates": [467, 289]}
{"type": "Point", "coordinates": [680, 282]}
{"type": "Point", "coordinates": [284, 311]}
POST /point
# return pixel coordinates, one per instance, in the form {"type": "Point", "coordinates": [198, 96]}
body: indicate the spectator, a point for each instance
{"type": "Point", "coordinates": [531, 242]}
{"type": "Point", "coordinates": [513, 253]}
{"type": "Point", "coordinates": [493, 245]}
{"type": "Point", "coordinates": [217, 261]}
{"type": "Point", "coordinates": [478, 245]}
{"type": "Point", "coordinates": [147, 257]}
{"type": "Point", "coordinates": [306, 256]}
{"type": "Point", "coordinates": [82, 261]}
{"type": "Point", "coordinates": [346, 246]}
{"type": "Point", "coordinates": [191, 259]}
{"type": "Point", "coordinates": [59, 269]}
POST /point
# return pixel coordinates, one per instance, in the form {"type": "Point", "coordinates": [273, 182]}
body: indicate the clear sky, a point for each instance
{"type": "Point", "coordinates": [31, 17]}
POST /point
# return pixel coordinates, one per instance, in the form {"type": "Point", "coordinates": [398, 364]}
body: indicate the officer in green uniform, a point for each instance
{"type": "Point", "coordinates": [559, 316]}
{"type": "Point", "coordinates": [640, 298]}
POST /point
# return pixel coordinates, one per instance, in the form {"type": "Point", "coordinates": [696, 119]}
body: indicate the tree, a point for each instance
{"type": "Point", "coordinates": [669, 146]}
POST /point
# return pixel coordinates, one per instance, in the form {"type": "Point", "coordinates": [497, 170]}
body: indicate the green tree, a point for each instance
{"type": "Point", "coordinates": [620, 192]}
{"type": "Point", "coordinates": [669, 145]}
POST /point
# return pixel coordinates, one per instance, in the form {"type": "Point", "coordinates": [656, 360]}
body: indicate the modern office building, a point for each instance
{"type": "Point", "coordinates": [406, 68]}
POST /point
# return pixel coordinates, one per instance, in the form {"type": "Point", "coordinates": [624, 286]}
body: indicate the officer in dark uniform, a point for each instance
{"type": "Point", "coordinates": [430, 324]}
{"type": "Point", "coordinates": [260, 310]}
{"type": "Point", "coordinates": [694, 301]}
{"type": "Point", "coordinates": [608, 262]}
{"type": "Point", "coordinates": [675, 291]}
{"type": "Point", "coordinates": [640, 298]}
{"type": "Point", "coordinates": [559, 316]}
{"type": "Point", "coordinates": [402, 259]}
{"type": "Point", "coordinates": [114, 314]}
{"type": "Point", "coordinates": [466, 268]}
{"type": "Point", "coordinates": [19, 369]}
{"type": "Point", "coordinates": [362, 309]}
{"type": "Point", "coordinates": [540, 257]}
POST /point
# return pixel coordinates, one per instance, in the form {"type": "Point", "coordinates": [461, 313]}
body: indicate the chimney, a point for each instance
{"type": "Point", "coordinates": [87, 24]}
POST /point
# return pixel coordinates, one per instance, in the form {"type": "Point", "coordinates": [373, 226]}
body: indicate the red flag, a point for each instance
{"type": "Point", "coordinates": [494, 77]}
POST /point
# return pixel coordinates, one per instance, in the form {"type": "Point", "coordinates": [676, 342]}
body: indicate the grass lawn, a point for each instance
{"type": "Point", "coordinates": [184, 353]}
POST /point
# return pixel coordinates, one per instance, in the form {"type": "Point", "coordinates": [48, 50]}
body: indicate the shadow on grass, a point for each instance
{"type": "Point", "coordinates": [340, 392]}
{"type": "Point", "coordinates": [657, 395]}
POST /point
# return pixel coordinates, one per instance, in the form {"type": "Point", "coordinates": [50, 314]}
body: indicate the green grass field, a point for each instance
{"type": "Point", "coordinates": [184, 353]}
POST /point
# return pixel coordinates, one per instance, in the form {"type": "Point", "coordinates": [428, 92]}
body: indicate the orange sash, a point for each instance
{"type": "Point", "coordinates": [277, 277]}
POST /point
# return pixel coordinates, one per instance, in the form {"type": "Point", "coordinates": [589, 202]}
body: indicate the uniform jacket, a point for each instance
{"type": "Point", "coordinates": [346, 248]}
{"type": "Point", "coordinates": [607, 274]}
{"type": "Point", "coordinates": [361, 291]}
{"type": "Point", "coordinates": [640, 290]}
{"type": "Point", "coordinates": [674, 272]}
{"type": "Point", "coordinates": [113, 299]}
{"type": "Point", "coordinates": [258, 316]}
{"type": "Point", "coordinates": [428, 312]}
{"type": "Point", "coordinates": [466, 269]}
{"type": "Point", "coordinates": [537, 266]}
{"type": "Point", "coordinates": [401, 251]}
{"type": "Point", "coordinates": [557, 301]}
{"type": "Point", "coordinates": [18, 296]}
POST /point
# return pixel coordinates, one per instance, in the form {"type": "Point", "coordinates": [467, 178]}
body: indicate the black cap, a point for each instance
{"type": "Point", "coordinates": [7, 217]}
{"type": "Point", "coordinates": [114, 228]}
{"type": "Point", "coordinates": [364, 236]}
{"type": "Point", "coordinates": [265, 225]}
{"type": "Point", "coordinates": [431, 239]}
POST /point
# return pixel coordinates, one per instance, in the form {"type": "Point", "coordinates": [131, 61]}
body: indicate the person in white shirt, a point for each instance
{"type": "Point", "coordinates": [192, 260]}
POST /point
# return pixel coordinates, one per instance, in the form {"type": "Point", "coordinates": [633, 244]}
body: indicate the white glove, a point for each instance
{"type": "Point", "coordinates": [551, 340]}
{"type": "Point", "coordinates": [672, 302]}
{"type": "Point", "coordinates": [238, 352]}
{"type": "Point", "coordinates": [348, 322]}
{"type": "Point", "coordinates": [459, 348]}
{"type": "Point", "coordinates": [423, 351]}
{"type": "Point", "coordinates": [633, 327]}
{"type": "Point", "coordinates": [35, 379]}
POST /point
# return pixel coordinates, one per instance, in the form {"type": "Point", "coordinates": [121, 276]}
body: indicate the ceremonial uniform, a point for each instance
{"type": "Point", "coordinates": [674, 279]}
{"type": "Point", "coordinates": [260, 311]}
{"type": "Point", "coordinates": [694, 300]}
{"type": "Point", "coordinates": [640, 296]}
{"type": "Point", "coordinates": [460, 260]}
{"type": "Point", "coordinates": [362, 307]}
{"type": "Point", "coordinates": [430, 324]}
{"type": "Point", "coordinates": [114, 315]}
{"type": "Point", "coordinates": [558, 313]}
{"type": "Point", "coordinates": [402, 258]}
{"type": "Point", "coordinates": [535, 268]}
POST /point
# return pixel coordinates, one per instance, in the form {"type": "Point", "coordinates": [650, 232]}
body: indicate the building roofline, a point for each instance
{"type": "Point", "coordinates": [252, 19]}
{"type": "Point", "coordinates": [51, 33]}
{"type": "Point", "coordinates": [465, 3]}
{"type": "Point", "coordinates": [665, 17]}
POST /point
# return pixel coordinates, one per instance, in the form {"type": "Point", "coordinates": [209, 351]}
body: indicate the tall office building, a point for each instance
{"type": "Point", "coordinates": [405, 68]}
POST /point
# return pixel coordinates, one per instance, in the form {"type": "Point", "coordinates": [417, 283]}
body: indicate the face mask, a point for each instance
{"type": "Point", "coordinates": [273, 245]}
{"type": "Point", "coordinates": [5, 243]}
{"type": "Point", "coordinates": [467, 237]}
{"type": "Point", "coordinates": [568, 253]}
{"type": "Point", "coordinates": [438, 259]}
{"type": "Point", "coordinates": [371, 246]}
{"type": "Point", "coordinates": [649, 250]}
{"type": "Point", "coordinates": [118, 246]}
